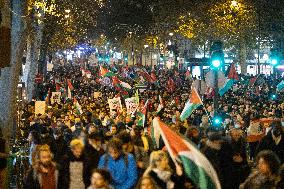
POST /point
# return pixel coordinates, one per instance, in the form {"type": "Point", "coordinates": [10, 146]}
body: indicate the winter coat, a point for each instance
{"type": "Point", "coordinates": [258, 180]}
{"type": "Point", "coordinates": [70, 158]}
{"type": "Point", "coordinates": [123, 170]}
{"type": "Point", "coordinates": [33, 179]}
{"type": "Point", "coordinates": [176, 180]}
{"type": "Point", "coordinates": [60, 149]}
{"type": "Point", "coordinates": [92, 157]}
{"type": "Point", "coordinates": [267, 143]}
{"type": "Point", "coordinates": [240, 170]}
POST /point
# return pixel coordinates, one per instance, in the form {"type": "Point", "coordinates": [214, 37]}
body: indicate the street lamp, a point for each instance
{"type": "Point", "coordinates": [235, 3]}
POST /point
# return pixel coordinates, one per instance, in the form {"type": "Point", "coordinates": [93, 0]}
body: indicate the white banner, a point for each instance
{"type": "Point", "coordinates": [49, 67]}
{"type": "Point", "coordinates": [40, 107]}
{"type": "Point", "coordinates": [131, 105]}
{"type": "Point", "coordinates": [115, 104]}
{"type": "Point", "coordinates": [55, 97]}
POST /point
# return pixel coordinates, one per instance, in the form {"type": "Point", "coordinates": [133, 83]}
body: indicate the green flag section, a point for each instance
{"type": "Point", "coordinates": [227, 86]}
{"type": "Point", "coordinates": [280, 86]}
{"type": "Point", "coordinates": [142, 115]}
{"type": "Point", "coordinates": [195, 164]}
{"type": "Point", "coordinates": [193, 103]}
{"type": "Point", "coordinates": [78, 107]}
{"type": "Point", "coordinates": [104, 72]}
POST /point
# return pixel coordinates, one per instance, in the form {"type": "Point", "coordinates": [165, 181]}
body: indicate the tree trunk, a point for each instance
{"type": "Point", "coordinates": [243, 56]}
{"type": "Point", "coordinates": [10, 75]}
{"type": "Point", "coordinates": [33, 48]}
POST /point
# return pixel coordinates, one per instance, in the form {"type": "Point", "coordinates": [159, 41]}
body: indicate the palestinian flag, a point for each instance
{"type": "Point", "coordinates": [78, 107]}
{"type": "Point", "coordinates": [280, 86]}
{"type": "Point", "coordinates": [145, 75]}
{"type": "Point", "coordinates": [116, 82]}
{"type": "Point", "coordinates": [227, 86]}
{"type": "Point", "coordinates": [196, 165]}
{"type": "Point", "coordinates": [143, 115]}
{"type": "Point", "coordinates": [104, 72]}
{"type": "Point", "coordinates": [233, 73]}
{"type": "Point", "coordinates": [193, 103]}
{"type": "Point", "coordinates": [70, 88]}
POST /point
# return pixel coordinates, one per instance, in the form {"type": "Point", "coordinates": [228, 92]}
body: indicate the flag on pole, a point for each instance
{"type": "Point", "coordinates": [193, 103]}
{"type": "Point", "coordinates": [280, 86]}
{"type": "Point", "coordinates": [78, 107]}
{"type": "Point", "coordinates": [143, 115]}
{"type": "Point", "coordinates": [70, 86]}
{"type": "Point", "coordinates": [196, 165]}
{"type": "Point", "coordinates": [104, 72]}
{"type": "Point", "coordinates": [228, 85]}
{"type": "Point", "coordinates": [233, 73]}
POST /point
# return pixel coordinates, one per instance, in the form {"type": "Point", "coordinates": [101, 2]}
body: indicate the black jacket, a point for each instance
{"type": "Point", "coordinates": [32, 180]}
{"type": "Point", "coordinates": [66, 169]}
{"type": "Point", "coordinates": [267, 143]}
{"type": "Point", "coordinates": [92, 157]}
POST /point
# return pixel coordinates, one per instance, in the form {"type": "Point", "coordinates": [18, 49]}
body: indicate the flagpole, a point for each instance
{"type": "Point", "coordinates": [203, 106]}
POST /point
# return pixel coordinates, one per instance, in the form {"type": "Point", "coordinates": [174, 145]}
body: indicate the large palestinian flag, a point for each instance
{"type": "Point", "coordinates": [195, 164]}
{"type": "Point", "coordinates": [193, 103]}
{"type": "Point", "coordinates": [104, 72]}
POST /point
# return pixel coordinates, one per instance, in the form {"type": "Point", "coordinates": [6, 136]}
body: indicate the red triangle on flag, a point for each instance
{"type": "Point", "coordinates": [195, 98]}
{"type": "Point", "coordinates": [233, 73]}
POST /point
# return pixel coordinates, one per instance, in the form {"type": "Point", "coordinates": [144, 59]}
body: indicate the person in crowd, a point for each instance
{"type": "Point", "coordinates": [162, 174]}
{"type": "Point", "coordinates": [44, 173]}
{"type": "Point", "coordinates": [280, 183]}
{"type": "Point", "coordinates": [121, 165]}
{"type": "Point", "coordinates": [240, 168]}
{"type": "Point", "coordinates": [266, 174]}
{"type": "Point", "coordinates": [93, 151]}
{"type": "Point", "coordinates": [60, 147]}
{"type": "Point", "coordinates": [100, 179]}
{"type": "Point", "coordinates": [147, 182]}
{"type": "Point", "coordinates": [274, 140]}
{"type": "Point", "coordinates": [74, 166]}
{"type": "Point", "coordinates": [140, 155]}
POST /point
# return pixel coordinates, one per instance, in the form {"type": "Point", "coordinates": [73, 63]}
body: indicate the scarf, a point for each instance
{"type": "Point", "coordinates": [165, 176]}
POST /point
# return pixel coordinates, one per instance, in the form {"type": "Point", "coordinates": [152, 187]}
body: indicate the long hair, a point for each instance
{"type": "Point", "coordinates": [271, 159]}
{"type": "Point", "coordinates": [155, 157]}
{"type": "Point", "coordinates": [36, 155]}
{"type": "Point", "coordinates": [139, 185]}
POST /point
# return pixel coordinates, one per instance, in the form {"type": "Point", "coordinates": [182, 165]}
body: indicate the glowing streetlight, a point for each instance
{"type": "Point", "coordinates": [171, 34]}
{"type": "Point", "coordinates": [234, 3]}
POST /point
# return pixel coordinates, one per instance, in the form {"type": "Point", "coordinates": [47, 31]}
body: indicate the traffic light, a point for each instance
{"type": "Point", "coordinates": [217, 55]}
{"type": "Point", "coordinates": [217, 121]}
{"type": "Point", "coordinates": [274, 57]}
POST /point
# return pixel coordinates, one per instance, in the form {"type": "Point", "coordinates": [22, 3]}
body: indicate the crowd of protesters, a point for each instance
{"type": "Point", "coordinates": [98, 150]}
